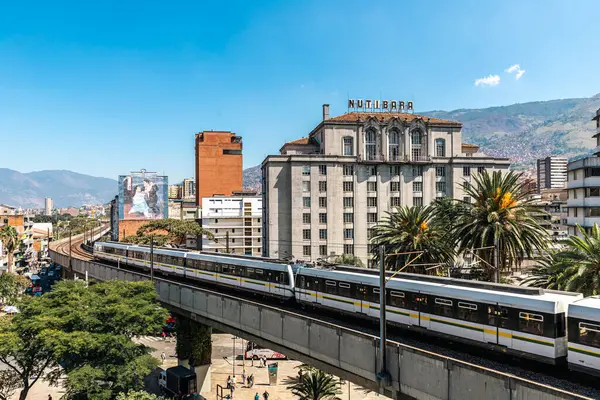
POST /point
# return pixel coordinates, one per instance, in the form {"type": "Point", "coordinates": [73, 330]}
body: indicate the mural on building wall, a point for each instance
{"type": "Point", "coordinates": [143, 195]}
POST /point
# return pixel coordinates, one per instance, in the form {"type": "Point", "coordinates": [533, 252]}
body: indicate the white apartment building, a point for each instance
{"type": "Point", "coordinates": [236, 223]}
{"type": "Point", "coordinates": [188, 189]}
{"type": "Point", "coordinates": [323, 193]}
{"type": "Point", "coordinates": [552, 173]}
{"type": "Point", "coordinates": [583, 184]}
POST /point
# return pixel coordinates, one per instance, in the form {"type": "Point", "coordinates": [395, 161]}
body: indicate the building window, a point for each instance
{"type": "Point", "coordinates": [575, 193]}
{"type": "Point", "coordinates": [372, 170]}
{"type": "Point", "coordinates": [592, 192]}
{"type": "Point", "coordinates": [480, 170]}
{"type": "Point", "coordinates": [466, 171]}
{"type": "Point", "coordinates": [348, 218]}
{"type": "Point", "coordinates": [416, 144]}
{"type": "Point", "coordinates": [371, 201]}
{"type": "Point", "coordinates": [306, 234]}
{"type": "Point", "coordinates": [323, 202]}
{"type": "Point", "coordinates": [349, 249]}
{"type": "Point", "coordinates": [348, 186]}
{"type": "Point", "coordinates": [467, 199]}
{"type": "Point", "coordinates": [323, 234]}
{"type": "Point", "coordinates": [348, 146]}
{"type": "Point", "coordinates": [371, 217]}
{"type": "Point", "coordinates": [306, 186]}
{"type": "Point", "coordinates": [593, 212]}
{"type": "Point", "coordinates": [322, 186]}
{"type": "Point", "coordinates": [306, 202]}
{"type": "Point", "coordinates": [417, 201]}
{"type": "Point", "coordinates": [417, 170]}
{"type": "Point", "coordinates": [348, 202]}
{"type": "Point", "coordinates": [306, 250]}
{"type": "Point", "coordinates": [322, 218]}
{"type": "Point", "coordinates": [417, 186]}
{"type": "Point", "coordinates": [323, 250]}
{"type": "Point", "coordinates": [440, 187]}
{"type": "Point", "coordinates": [371, 144]}
{"type": "Point", "coordinates": [306, 218]}
{"type": "Point", "coordinates": [395, 201]}
{"type": "Point", "coordinates": [348, 170]}
{"type": "Point", "coordinates": [575, 212]}
{"type": "Point", "coordinates": [306, 171]}
{"type": "Point", "coordinates": [440, 171]}
{"type": "Point", "coordinates": [322, 169]}
{"type": "Point", "coordinates": [440, 148]}
{"type": "Point", "coordinates": [395, 186]}
{"type": "Point", "coordinates": [395, 170]}
{"type": "Point", "coordinates": [371, 186]}
{"type": "Point", "coordinates": [348, 233]}
{"type": "Point", "coordinates": [394, 145]}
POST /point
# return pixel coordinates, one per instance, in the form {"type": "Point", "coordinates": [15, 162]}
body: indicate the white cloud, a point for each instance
{"type": "Point", "coordinates": [491, 80]}
{"type": "Point", "coordinates": [515, 68]}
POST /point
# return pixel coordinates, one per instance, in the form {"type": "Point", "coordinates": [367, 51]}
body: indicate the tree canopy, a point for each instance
{"type": "Point", "coordinates": [167, 231]}
{"type": "Point", "coordinates": [85, 333]}
{"type": "Point", "coordinates": [10, 241]}
{"type": "Point", "coordinates": [12, 287]}
{"type": "Point", "coordinates": [137, 395]}
{"type": "Point", "coordinates": [317, 385]}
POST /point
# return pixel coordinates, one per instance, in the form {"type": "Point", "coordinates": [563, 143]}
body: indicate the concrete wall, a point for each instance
{"type": "Point", "coordinates": [335, 349]}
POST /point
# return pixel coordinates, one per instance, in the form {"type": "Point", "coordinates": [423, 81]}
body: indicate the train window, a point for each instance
{"type": "Point", "coordinates": [443, 307]}
{"type": "Point", "coordinates": [589, 334]}
{"type": "Point", "coordinates": [249, 272]}
{"type": "Point", "coordinates": [498, 316]}
{"type": "Point", "coordinates": [418, 302]}
{"type": "Point", "coordinates": [467, 311]}
{"type": "Point", "coordinates": [259, 271]}
{"type": "Point", "coordinates": [531, 323]}
{"type": "Point", "coordinates": [330, 287]}
{"type": "Point", "coordinates": [344, 289]}
{"type": "Point", "coordinates": [397, 299]}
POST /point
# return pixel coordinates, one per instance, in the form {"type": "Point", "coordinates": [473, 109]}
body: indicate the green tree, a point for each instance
{"type": "Point", "coordinates": [10, 241]}
{"type": "Point", "coordinates": [9, 383]}
{"type": "Point", "coordinates": [317, 385]}
{"type": "Point", "coordinates": [576, 268]}
{"type": "Point", "coordinates": [137, 395]}
{"type": "Point", "coordinates": [169, 231]}
{"type": "Point", "coordinates": [89, 332]}
{"type": "Point", "coordinates": [411, 229]}
{"type": "Point", "coordinates": [12, 287]}
{"type": "Point", "coordinates": [501, 214]}
{"type": "Point", "coordinates": [348, 259]}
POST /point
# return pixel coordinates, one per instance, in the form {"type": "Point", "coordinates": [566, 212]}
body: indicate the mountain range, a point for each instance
{"type": "Point", "coordinates": [66, 188]}
{"type": "Point", "coordinates": [522, 132]}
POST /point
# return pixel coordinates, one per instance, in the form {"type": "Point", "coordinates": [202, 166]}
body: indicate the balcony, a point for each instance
{"type": "Point", "coordinates": [372, 158]}
{"type": "Point", "coordinates": [420, 159]}
{"type": "Point", "coordinates": [591, 181]}
{"type": "Point", "coordinates": [397, 158]}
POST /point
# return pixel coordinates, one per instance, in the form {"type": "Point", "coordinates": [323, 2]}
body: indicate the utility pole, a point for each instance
{"type": "Point", "coordinates": [496, 260]}
{"type": "Point", "coordinates": [70, 250]}
{"type": "Point", "coordinates": [383, 374]}
{"type": "Point", "coordinates": [227, 242]}
{"type": "Point", "coordinates": [151, 257]}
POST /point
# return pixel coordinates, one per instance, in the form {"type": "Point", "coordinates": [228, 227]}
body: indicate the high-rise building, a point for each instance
{"type": "Point", "coordinates": [322, 194]}
{"type": "Point", "coordinates": [48, 206]}
{"type": "Point", "coordinates": [174, 191]}
{"type": "Point", "coordinates": [218, 164]}
{"type": "Point", "coordinates": [583, 184]}
{"type": "Point", "coordinates": [552, 173]}
{"type": "Point", "coordinates": [235, 222]}
{"type": "Point", "coordinates": [188, 190]}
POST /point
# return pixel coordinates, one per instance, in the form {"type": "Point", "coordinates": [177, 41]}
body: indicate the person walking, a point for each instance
{"type": "Point", "coordinates": [233, 381]}
{"type": "Point", "coordinates": [229, 382]}
{"type": "Point", "coordinates": [266, 395]}
{"type": "Point", "coordinates": [163, 357]}
{"type": "Point", "coordinates": [256, 396]}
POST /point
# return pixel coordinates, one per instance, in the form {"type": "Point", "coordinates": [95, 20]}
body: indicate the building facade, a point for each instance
{"type": "Point", "coordinates": [552, 173]}
{"type": "Point", "coordinates": [174, 192]}
{"type": "Point", "coordinates": [218, 164]}
{"type": "Point", "coordinates": [235, 222]}
{"type": "Point", "coordinates": [551, 210]}
{"type": "Point", "coordinates": [583, 183]}
{"type": "Point", "coordinates": [188, 189]}
{"type": "Point", "coordinates": [48, 206]}
{"type": "Point", "coordinates": [322, 194]}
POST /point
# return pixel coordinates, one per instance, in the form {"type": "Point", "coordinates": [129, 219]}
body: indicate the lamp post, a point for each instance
{"type": "Point", "coordinates": [152, 257]}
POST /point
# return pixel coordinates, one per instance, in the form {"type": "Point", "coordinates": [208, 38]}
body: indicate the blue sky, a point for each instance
{"type": "Point", "coordinates": [107, 87]}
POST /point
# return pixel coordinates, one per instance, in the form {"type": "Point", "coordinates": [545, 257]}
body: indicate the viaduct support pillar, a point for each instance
{"type": "Point", "coordinates": [194, 350]}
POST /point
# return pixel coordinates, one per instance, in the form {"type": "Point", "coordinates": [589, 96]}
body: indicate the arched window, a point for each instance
{"type": "Point", "coordinates": [371, 144]}
{"type": "Point", "coordinates": [440, 148]}
{"type": "Point", "coordinates": [394, 145]}
{"type": "Point", "coordinates": [348, 146]}
{"type": "Point", "coordinates": [416, 137]}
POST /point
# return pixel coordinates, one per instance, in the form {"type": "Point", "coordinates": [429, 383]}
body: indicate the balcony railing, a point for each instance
{"type": "Point", "coordinates": [420, 159]}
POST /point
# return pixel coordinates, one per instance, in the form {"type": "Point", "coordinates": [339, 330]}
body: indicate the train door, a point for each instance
{"type": "Point", "coordinates": [270, 279]}
{"type": "Point", "coordinates": [302, 286]}
{"type": "Point", "coordinates": [419, 307]}
{"type": "Point", "coordinates": [498, 319]}
{"type": "Point", "coordinates": [362, 303]}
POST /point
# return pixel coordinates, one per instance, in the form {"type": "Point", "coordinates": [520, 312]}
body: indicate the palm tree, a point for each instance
{"type": "Point", "coordinates": [500, 215]}
{"type": "Point", "coordinates": [577, 268]}
{"type": "Point", "coordinates": [10, 240]}
{"type": "Point", "coordinates": [317, 385]}
{"type": "Point", "coordinates": [546, 275]}
{"type": "Point", "coordinates": [412, 229]}
{"type": "Point", "coordinates": [348, 259]}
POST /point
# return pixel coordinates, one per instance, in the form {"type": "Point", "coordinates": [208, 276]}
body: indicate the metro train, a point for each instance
{"type": "Point", "coordinates": [527, 322]}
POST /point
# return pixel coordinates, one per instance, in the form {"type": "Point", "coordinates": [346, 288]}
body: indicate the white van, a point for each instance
{"type": "Point", "coordinates": [255, 352]}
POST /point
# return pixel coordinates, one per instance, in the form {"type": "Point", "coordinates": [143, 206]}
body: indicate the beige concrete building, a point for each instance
{"type": "Point", "coordinates": [583, 183]}
{"type": "Point", "coordinates": [236, 223]}
{"type": "Point", "coordinates": [323, 193]}
{"type": "Point", "coordinates": [48, 206]}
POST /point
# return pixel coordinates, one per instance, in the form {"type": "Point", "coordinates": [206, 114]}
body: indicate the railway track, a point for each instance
{"type": "Point", "coordinates": [548, 375]}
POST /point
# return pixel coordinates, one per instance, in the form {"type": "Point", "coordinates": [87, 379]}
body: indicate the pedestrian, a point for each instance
{"type": "Point", "coordinates": [164, 335]}
{"type": "Point", "coordinates": [233, 381]}
{"type": "Point", "coordinates": [266, 395]}
{"type": "Point", "coordinates": [256, 396]}
{"type": "Point", "coordinates": [163, 357]}
{"type": "Point", "coordinates": [232, 389]}
{"type": "Point", "coordinates": [49, 397]}
{"type": "Point", "coordinates": [264, 361]}
{"type": "Point", "coordinates": [243, 377]}
{"type": "Point", "coordinates": [229, 382]}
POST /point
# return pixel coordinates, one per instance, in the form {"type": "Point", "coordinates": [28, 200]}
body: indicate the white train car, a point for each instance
{"type": "Point", "coordinates": [584, 335]}
{"type": "Point", "coordinates": [526, 322]}
{"type": "Point", "coordinates": [115, 252]}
